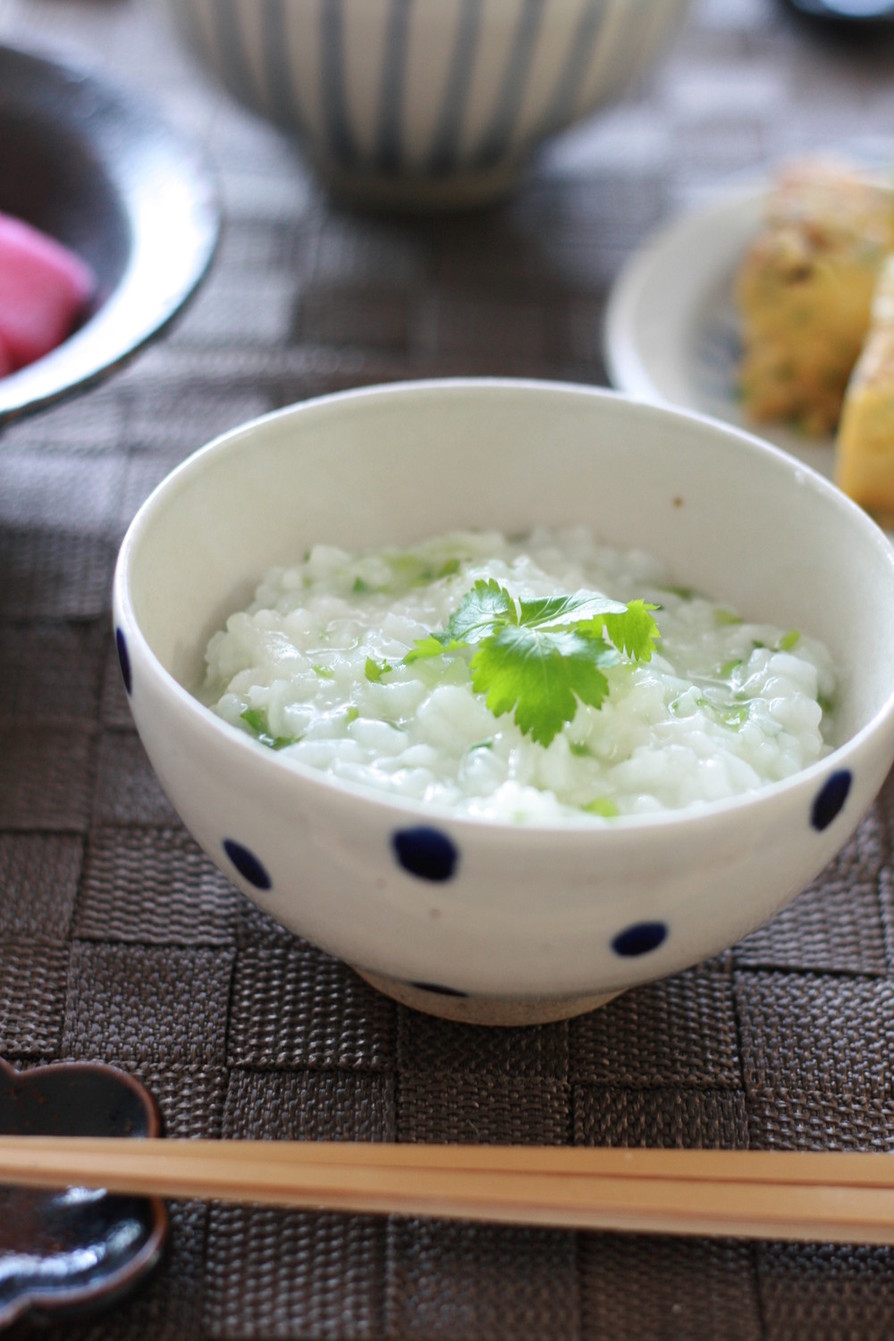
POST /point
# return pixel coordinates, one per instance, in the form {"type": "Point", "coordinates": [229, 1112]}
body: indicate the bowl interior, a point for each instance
{"type": "Point", "coordinates": [729, 515]}
{"type": "Point", "coordinates": [50, 177]}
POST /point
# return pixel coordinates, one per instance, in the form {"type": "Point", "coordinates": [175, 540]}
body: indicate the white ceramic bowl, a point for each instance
{"type": "Point", "coordinates": [428, 104]}
{"type": "Point", "coordinates": [484, 920]}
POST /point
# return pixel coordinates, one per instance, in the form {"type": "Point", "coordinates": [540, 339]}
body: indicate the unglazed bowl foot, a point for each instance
{"type": "Point", "coordinates": [504, 1011]}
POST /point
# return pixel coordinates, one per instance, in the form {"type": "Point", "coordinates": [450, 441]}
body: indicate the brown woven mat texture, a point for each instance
{"type": "Point", "coordinates": [120, 942]}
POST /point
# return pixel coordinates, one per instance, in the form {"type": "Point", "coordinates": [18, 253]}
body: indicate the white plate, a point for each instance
{"type": "Point", "coordinates": [672, 328]}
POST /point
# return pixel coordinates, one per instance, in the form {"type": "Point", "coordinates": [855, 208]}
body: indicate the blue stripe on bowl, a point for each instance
{"type": "Point", "coordinates": [188, 19]}
{"type": "Point", "coordinates": [235, 69]}
{"type": "Point", "coordinates": [656, 26]}
{"type": "Point", "coordinates": [279, 88]}
{"type": "Point", "coordinates": [342, 145]}
{"type": "Point", "coordinates": [446, 140]}
{"type": "Point", "coordinates": [390, 149]}
{"type": "Point", "coordinates": [572, 75]}
{"type": "Point", "coordinates": [629, 59]}
{"type": "Point", "coordinates": [503, 130]}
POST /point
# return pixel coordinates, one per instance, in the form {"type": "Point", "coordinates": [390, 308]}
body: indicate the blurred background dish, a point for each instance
{"type": "Point", "coordinates": [675, 327]}
{"type": "Point", "coordinates": [672, 325]}
{"type": "Point", "coordinates": [433, 105]}
{"type": "Point", "coordinates": [846, 15]}
{"type": "Point", "coordinates": [101, 172]}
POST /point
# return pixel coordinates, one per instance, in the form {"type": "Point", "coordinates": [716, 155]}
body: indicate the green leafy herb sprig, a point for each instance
{"type": "Point", "coordinates": [256, 720]}
{"type": "Point", "coordinates": [539, 658]}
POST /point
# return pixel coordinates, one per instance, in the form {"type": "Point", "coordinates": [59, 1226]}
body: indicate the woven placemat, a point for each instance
{"type": "Point", "coordinates": [120, 942]}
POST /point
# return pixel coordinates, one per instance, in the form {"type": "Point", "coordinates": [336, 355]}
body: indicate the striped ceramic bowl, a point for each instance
{"type": "Point", "coordinates": [425, 102]}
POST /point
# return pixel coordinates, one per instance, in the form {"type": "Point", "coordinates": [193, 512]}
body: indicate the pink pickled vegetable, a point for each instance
{"type": "Point", "coordinates": [44, 289]}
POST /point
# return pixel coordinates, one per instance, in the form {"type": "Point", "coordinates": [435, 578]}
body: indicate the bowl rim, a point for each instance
{"type": "Point", "coordinates": [698, 814]}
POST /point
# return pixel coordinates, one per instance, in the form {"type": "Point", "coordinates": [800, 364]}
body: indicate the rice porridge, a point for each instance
{"type": "Point", "coordinates": [537, 680]}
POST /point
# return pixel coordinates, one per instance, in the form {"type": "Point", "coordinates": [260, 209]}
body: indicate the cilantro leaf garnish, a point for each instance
{"type": "Point", "coordinates": [733, 715]}
{"type": "Point", "coordinates": [583, 605]}
{"type": "Point", "coordinates": [539, 658]}
{"type": "Point", "coordinates": [601, 805]}
{"type": "Point", "coordinates": [256, 720]}
{"type": "Point", "coordinates": [424, 648]}
{"type": "Point", "coordinates": [540, 674]}
{"type": "Point", "coordinates": [633, 631]}
{"type": "Point", "coordinates": [481, 609]}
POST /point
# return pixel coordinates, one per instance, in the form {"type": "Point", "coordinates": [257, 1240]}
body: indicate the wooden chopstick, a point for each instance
{"type": "Point", "coordinates": [847, 1197]}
